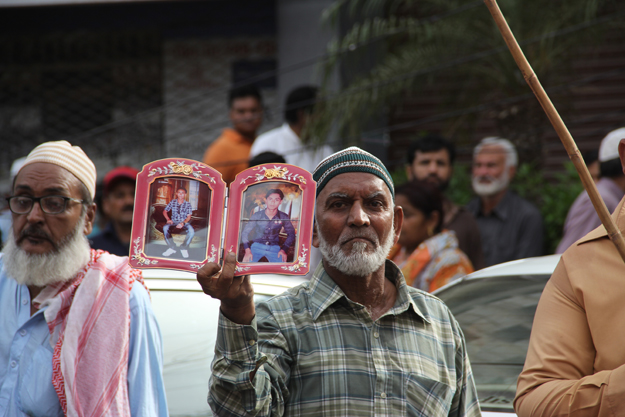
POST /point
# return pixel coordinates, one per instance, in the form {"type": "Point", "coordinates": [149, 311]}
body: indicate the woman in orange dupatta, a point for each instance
{"type": "Point", "coordinates": [428, 256]}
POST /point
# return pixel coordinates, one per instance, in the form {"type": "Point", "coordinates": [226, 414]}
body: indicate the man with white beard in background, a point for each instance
{"type": "Point", "coordinates": [355, 340]}
{"type": "Point", "coordinates": [510, 226]}
{"type": "Point", "coordinates": [77, 332]}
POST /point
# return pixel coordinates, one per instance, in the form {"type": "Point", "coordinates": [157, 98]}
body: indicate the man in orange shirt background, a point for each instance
{"type": "Point", "coordinates": [229, 153]}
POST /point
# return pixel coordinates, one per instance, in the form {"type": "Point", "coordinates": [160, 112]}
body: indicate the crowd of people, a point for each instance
{"type": "Point", "coordinates": [362, 337]}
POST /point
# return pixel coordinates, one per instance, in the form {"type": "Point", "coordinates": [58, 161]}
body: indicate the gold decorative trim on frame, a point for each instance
{"type": "Point", "coordinates": [213, 254]}
{"type": "Point", "coordinates": [180, 168]}
{"type": "Point", "coordinates": [301, 261]}
{"type": "Point", "coordinates": [277, 172]}
{"type": "Point", "coordinates": [139, 256]}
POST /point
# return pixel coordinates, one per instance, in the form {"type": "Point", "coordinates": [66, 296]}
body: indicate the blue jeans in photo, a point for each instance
{"type": "Point", "coordinates": [187, 241]}
{"type": "Point", "coordinates": [268, 251]}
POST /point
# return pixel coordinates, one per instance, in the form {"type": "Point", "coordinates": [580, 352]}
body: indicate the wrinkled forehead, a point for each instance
{"type": "Point", "coordinates": [436, 154]}
{"type": "Point", "coordinates": [119, 184]}
{"type": "Point", "coordinates": [45, 177]}
{"type": "Point", "coordinates": [355, 185]}
{"type": "Point", "coordinates": [492, 150]}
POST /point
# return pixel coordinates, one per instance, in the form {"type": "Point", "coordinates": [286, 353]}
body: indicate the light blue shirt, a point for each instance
{"type": "Point", "coordinates": [5, 225]}
{"type": "Point", "coordinates": [26, 356]}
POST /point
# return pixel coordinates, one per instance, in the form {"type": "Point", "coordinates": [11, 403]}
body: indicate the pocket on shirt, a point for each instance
{"type": "Point", "coordinates": [427, 397]}
{"type": "Point", "coordinates": [37, 394]}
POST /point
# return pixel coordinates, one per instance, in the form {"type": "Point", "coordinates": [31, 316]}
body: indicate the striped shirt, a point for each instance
{"type": "Point", "coordinates": [320, 354]}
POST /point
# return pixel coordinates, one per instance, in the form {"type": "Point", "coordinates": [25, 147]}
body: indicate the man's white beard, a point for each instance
{"type": "Point", "coordinates": [55, 266]}
{"type": "Point", "coordinates": [493, 187]}
{"type": "Point", "coordinates": [358, 263]}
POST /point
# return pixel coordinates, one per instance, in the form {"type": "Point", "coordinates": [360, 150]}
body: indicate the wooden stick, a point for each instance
{"type": "Point", "coordinates": [567, 140]}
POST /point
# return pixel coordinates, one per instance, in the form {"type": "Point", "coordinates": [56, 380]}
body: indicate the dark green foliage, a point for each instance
{"type": "Point", "coordinates": [460, 190]}
{"type": "Point", "coordinates": [393, 48]}
{"type": "Point", "coordinates": [553, 197]}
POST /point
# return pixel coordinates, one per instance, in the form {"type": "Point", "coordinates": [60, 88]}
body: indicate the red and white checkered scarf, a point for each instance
{"type": "Point", "coordinates": [89, 322]}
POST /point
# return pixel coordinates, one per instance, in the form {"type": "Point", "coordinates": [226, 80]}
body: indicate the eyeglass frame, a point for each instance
{"type": "Point", "coordinates": [38, 200]}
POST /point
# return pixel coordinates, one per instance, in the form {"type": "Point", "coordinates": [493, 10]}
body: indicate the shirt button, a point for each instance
{"type": "Point", "coordinates": [24, 301]}
{"type": "Point", "coordinates": [376, 335]}
{"type": "Point", "coordinates": [252, 342]}
{"type": "Point", "coordinates": [23, 332]}
{"type": "Point", "coordinates": [383, 395]}
{"type": "Point", "coordinates": [13, 364]}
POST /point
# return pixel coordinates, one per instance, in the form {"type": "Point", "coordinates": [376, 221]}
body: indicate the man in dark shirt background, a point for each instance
{"type": "Point", "coordinates": [118, 201]}
{"type": "Point", "coordinates": [431, 158]}
{"type": "Point", "coordinates": [261, 234]}
{"type": "Point", "coordinates": [511, 227]}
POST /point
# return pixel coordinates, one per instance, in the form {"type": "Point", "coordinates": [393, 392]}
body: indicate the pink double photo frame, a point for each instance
{"type": "Point", "coordinates": [185, 216]}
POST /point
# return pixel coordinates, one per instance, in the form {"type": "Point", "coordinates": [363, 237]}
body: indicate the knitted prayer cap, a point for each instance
{"type": "Point", "coordinates": [72, 158]}
{"type": "Point", "coordinates": [352, 159]}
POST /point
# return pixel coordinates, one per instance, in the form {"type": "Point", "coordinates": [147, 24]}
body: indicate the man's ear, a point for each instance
{"type": "Point", "coordinates": [90, 218]}
{"type": "Point", "coordinates": [315, 236]}
{"type": "Point", "coordinates": [511, 172]}
{"type": "Point", "coordinates": [398, 221]}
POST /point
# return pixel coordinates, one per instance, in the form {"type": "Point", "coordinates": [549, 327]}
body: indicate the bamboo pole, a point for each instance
{"type": "Point", "coordinates": [567, 140]}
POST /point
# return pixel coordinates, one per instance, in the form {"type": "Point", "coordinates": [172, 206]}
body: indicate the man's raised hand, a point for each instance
{"type": "Point", "coordinates": [236, 293]}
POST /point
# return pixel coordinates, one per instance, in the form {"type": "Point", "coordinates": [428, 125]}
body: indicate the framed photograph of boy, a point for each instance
{"type": "Point", "coordinates": [174, 225]}
{"type": "Point", "coordinates": [270, 218]}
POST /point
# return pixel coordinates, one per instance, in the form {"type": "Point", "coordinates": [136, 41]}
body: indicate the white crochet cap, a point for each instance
{"type": "Point", "coordinates": [608, 149]}
{"type": "Point", "coordinates": [72, 158]}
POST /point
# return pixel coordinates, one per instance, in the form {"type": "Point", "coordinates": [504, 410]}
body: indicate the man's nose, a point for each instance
{"type": "Point", "coordinates": [480, 170]}
{"type": "Point", "coordinates": [36, 214]}
{"type": "Point", "coordinates": [358, 216]}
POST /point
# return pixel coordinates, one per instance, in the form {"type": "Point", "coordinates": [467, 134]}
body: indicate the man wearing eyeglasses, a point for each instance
{"type": "Point", "coordinates": [77, 333]}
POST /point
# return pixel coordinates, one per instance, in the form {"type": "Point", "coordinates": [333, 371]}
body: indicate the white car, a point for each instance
{"type": "Point", "coordinates": [495, 307]}
{"type": "Point", "coordinates": [188, 321]}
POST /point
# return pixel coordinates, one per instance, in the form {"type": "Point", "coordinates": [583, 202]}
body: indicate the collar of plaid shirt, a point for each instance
{"type": "Point", "coordinates": [326, 292]}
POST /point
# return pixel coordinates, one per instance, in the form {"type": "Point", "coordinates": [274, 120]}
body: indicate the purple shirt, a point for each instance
{"type": "Point", "coordinates": [583, 218]}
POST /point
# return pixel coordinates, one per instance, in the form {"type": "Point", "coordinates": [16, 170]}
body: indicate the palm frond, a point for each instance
{"type": "Point", "coordinates": [394, 47]}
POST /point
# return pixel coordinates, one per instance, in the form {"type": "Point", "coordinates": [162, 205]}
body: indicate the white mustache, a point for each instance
{"type": "Point", "coordinates": [362, 234]}
{"type": "Point", "coordinates": [489, 178]}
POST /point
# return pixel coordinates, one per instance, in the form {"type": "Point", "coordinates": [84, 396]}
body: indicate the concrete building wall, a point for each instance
{"type": "Point", "coordinates": [129, 83]}
{"type": "Point", "coordinates": [197, 76]}
{"type": "Point", "coordinates": [301, 39]}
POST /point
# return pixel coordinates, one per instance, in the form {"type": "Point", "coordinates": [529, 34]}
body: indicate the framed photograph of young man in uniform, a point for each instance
{"type": "Point", "coordinates": [270, 217]}
{"type": "Point", "coordinates": [174, 225]}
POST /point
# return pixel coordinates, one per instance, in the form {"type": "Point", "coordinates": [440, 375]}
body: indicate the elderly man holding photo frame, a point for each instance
{"type": "Point", "coordinates": [261, 235]}
{"type": "Point", "coordinates": [355, 340]}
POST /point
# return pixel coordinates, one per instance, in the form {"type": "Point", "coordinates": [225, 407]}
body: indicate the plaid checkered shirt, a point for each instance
{"type": "Point", "coordinates": [320, 354]}
{"type": "Point", "coordinates": [179, 212]}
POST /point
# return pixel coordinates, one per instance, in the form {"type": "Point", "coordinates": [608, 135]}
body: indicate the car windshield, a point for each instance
{"type": "Point", "coordinates": [496, 316]}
